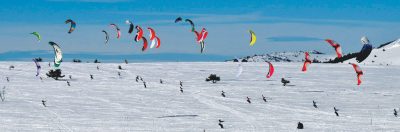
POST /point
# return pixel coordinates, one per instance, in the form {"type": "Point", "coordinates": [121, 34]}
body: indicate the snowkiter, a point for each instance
{"type": "Point", "coordinates": [336, 111]}
{"type": "Point", "coordinates": [44, 103]}
{"type": "Point", "coordinates": [220, 123]}
{"type": "Point", "coordinates": [300, 125]}
{"type": "Point", "coordinates": [314, 104]}
{"type": "Point", "coordinates": [263, 97]}
{"type": "Point", "coordinates": [284, 81]}
{"type": "Point", "coordinates": [248, 100]}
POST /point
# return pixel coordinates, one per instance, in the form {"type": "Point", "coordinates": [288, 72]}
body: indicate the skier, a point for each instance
{"type": "Point", "coordinates": [144, 84]}
{"type": "Point", "coordinates": [141, 79]}
{"type": "Point", "coordinates": [220, 123]}
{"type": "Point", "coordinates": [137, 78]}
{"type": "Point", "coordinates": [161, 82]}
{"type": "Point", "coordinates": [119, 67]}
{"type": "Point", "coordinates": [180, 83]}
{"type": "Point", "coordinates": [98, 68]}
{"type": "Point", "coordinates": [284, 81]}
{"type": "Point", "coordinates": [223, 93]}
{"type": "Point", "coordinates": [91, 76]}
{"type": "Point", "coordinates": [119, 74]}
{"type": "Point", "coordinates": [263, 97]}
{"type": "Point", "coordinates": [70, 77]}
{"type": "Point", "coordinates": [8, 79]}
{"type": "Point", "coordinates": [336, 111]}
{"type": "Point", "coordinates": [300, 125]}
{"type": "Point", "coordinates": [68, 83]}
{"type": "Point", "coordinates": [248, 100]}
{"type": "Point", "coordinates": [126, 61]}
{"type": "Point", "coordinates": [44, 103]}
{"type": "Point", "coordinates": [181, 89]}
{"type": "Point", "coordinates": [314, 104]}
{"type": "Point", "coordinates": [395, 112]}
{"type": "Point", "coordinates": [49, 64]}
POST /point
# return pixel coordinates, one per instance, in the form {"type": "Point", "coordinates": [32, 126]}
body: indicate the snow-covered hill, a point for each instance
{"type": "Point", "coordinates": [113, 103]}
{"type": "Point", "coordinates": [296, 56]}
{"type": "Point", "coordinates": [386, 55]}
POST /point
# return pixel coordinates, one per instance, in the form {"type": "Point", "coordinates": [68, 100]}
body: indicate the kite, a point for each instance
{"type": "Point", "coordinates": [306, 62]}
{"type": "Point", "coordinates": [37, 35]}
{"type": "Point", "coordinates": [337, 47]}
{"type": "Point", "coordinates": [73, 25]}
{"type": "Point", "coordinates": [271, 70]}
{"type": "Point", "coordinates": [117, 29]}
{"type": "Point", "coordinates": [107, 37]}
{"type": "Point", "coordinates": [57, 54]}
{"type": "Point", "coordinates": [359, 72]}
{"type": "Point", "coordinates": [253, 38]}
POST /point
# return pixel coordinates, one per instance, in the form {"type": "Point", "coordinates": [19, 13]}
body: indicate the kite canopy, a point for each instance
{"type": "Point", "coordinates": [152, 34]}
{"type": "Point", "coordinates": [73, 25]}
{"type": "Point", "coordinates": [203, 35]}
{"type": "Point", "coordinates": [107, 37]}
{"type": "Point", "coordinates": [57, 54]}
{"type": "Point", "coordinates": [155, 40]}
{"type": "Point", "coordinates": [200, 37]}
{"type": "Point", "coordinates": [253, 38]}
{"type": "Point", "coordinates": [358, 71]}
{"type": "Point", "coordinates": [130, 26]}
{"type": "Point", "coordinates": [158, 42]}
{"type": "Point", "coordinates": [37, 35]}
{"type": "Point", "coordinates": [307, 62]}
{"type": "Point", "coordinates": [271, 70]}
{"type": "Point", "coordinates": [191, 23]}
{"type": "Point", "coordinates": [139, 34]}
{"type": "Point", "coordinates": [337, 47]}
{"type": "Point", "coordinates": [178, 19]}
{"type": "Point", "coordinates": [117, 29]}
{"type": "Point", "coordinates": [37, 67]}
{"type": "Point", "coordinates": [144, 44]}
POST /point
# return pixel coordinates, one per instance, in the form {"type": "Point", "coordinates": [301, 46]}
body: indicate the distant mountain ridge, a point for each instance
{"type": "Point", "coordinates": [295, 56]}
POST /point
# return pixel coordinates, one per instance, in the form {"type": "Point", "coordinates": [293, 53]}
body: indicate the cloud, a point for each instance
{"type": "Point", "coordinates": [293, 39]}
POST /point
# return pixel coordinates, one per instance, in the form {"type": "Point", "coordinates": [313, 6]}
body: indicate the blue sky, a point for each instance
{"type": "Point", "coordinates": [280, 25]}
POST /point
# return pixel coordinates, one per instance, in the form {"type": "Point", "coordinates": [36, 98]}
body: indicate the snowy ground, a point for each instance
{"type": "Point", "coordinates": [110, 103]}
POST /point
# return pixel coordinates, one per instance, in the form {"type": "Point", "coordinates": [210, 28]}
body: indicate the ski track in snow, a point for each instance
{"type": "Point", "coordinates": [113, 103]}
